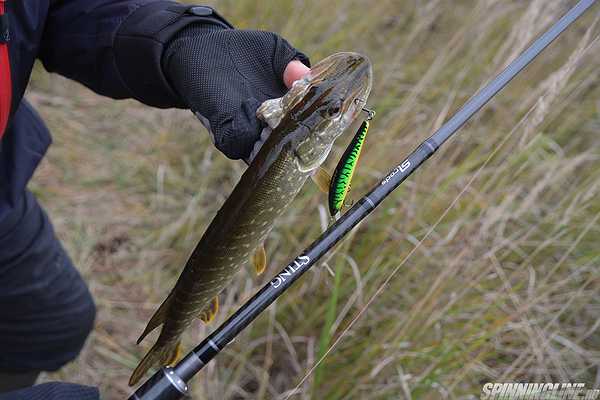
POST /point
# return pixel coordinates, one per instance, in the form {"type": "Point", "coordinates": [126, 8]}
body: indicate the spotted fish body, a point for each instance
{"type": "Point", "coordinates": [305, 122]}
{"type": "Point", "coordinates": [342, 175]}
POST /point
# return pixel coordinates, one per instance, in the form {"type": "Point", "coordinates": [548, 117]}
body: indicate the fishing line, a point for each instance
{"type": "Point", "coordinates": [393, 273]}
{"type": "Point", "coordinates": [443, 215]}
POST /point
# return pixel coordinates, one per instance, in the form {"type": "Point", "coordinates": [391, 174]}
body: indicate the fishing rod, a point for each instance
{"type": "Point", "coordinates": [170, 383]}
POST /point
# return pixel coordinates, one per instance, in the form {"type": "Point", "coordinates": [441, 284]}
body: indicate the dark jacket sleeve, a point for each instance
{"type": "Point", "coordinates": [114, 47]}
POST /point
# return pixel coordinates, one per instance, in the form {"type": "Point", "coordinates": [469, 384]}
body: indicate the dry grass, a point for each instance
{"type": "Point", "coordinates": [506, 287]}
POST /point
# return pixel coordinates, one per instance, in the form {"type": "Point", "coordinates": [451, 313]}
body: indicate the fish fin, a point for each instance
{"type": "Point", "coordinates": [176, 355]}
{"type": "Point", "coordinates": [158, 355]}
{"type": "Point", "coordinates": [259, 259]}
{"type": "Point", "coordinates": [322, 179]}
{"type": "Point", "coordinates": [208, 314]}
{"type": "Point", "coordinates": [158, 318]}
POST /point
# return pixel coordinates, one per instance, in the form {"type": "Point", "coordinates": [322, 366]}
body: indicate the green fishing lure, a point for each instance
{"type": "Point", "coordinates": [339, 185]}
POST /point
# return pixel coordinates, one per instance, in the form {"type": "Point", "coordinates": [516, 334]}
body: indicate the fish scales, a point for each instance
{"type": "Point", "coordinates": [247, 217]}
{"type": "Point", "coordinates": [305, 123]}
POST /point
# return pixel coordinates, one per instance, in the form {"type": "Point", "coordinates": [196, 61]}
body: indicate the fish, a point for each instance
{"type": "Point", "coordinates": [302, 127]}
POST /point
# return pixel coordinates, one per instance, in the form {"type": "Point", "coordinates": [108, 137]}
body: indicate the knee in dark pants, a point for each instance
{"type": "Point", "coordinates": [85, 318]}
{"type": "Point", "coordinates": [46, 309]}
{"type": "Point", "coordinates": [49, 326]}
{"type": "Point", "coordinates": [80, 322]}
{"type": "Point", "coordinates": [74, 315]}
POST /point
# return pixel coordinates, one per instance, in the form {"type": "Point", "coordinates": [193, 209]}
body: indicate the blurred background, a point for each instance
{"type": "Point", "coordinates": [506, 287]}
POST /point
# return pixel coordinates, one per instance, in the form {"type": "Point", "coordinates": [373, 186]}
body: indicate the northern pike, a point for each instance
{"type": "Point", "coordinates": [303, 123]}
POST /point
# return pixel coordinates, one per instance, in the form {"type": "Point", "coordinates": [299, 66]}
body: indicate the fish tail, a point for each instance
{"type": "Point", "coordinates": [158, 318]}
{"type": "Point", "coordinates": [160, 354]}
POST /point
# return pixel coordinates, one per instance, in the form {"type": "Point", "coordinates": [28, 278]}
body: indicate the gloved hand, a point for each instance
{"type": "Point", "coordinates": [223, 75]}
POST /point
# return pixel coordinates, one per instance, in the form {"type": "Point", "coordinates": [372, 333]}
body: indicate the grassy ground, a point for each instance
{"type": "Point", "coordinates": [505, 285]}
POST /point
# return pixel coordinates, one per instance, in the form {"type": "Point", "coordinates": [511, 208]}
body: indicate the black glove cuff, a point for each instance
{"type": "Point", "coordinates": [143, 36]}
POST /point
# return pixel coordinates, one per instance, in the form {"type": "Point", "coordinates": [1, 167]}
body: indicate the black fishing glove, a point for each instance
{"type": "Point", "coordinates": [175, 55]}
{"type": "Point", "coordinates": [223, 75]}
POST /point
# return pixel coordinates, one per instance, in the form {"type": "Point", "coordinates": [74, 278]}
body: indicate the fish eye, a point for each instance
{"type": "Point", "coordinates": [334, 109]}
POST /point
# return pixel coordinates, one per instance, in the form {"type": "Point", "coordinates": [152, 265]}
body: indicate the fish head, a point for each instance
{"type": "Point", "coordinates": [336, 91]}
{"type": "Point", "coordinates": [321, 106]}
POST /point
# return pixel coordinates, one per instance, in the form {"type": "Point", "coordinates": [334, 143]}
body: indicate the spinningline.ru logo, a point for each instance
{"type": "Point", "coordinates": [538, 391]}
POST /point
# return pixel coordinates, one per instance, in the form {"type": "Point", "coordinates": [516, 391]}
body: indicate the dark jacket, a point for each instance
{"type": "Point", "coordinates": [114, 47]}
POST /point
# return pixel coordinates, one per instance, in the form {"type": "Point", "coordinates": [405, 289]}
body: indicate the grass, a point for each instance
{"type": "Point", "coordinates": [505, 285]}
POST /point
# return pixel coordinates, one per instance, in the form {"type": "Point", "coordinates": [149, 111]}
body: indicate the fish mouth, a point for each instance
{"type": "Point", "coordinates": [360, 82]}
{"type": "Point", "coordinates": [341, 64]}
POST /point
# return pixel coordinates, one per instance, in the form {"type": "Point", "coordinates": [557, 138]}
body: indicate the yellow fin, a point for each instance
{"type": "Point", "coordinates": [322, 179]}
{"type": "Point", "coordinates": [208, 314]}
{"type": "Point", "coordinates": [259, 259]}
{"type": "Point", "coordinates": [158, 356]}
{"type": "Point", "coordinates": [176, 355]}
{"type": "Point", "coordinates": [158, 318]}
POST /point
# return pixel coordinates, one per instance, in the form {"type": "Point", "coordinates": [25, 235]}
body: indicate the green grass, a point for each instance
{"type": "Point", "coordinates": [504, 287]}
